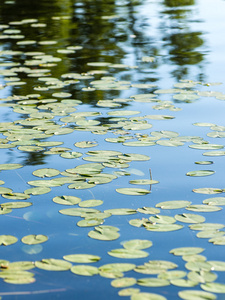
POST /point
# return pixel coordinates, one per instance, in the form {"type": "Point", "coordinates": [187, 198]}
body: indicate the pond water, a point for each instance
{"type": "Point", "coordinates": [121, 103]}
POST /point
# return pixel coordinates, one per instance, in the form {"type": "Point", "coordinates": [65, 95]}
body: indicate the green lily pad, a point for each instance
{"type": "Point", "coordinates": [46, 172]}
{"type": "Point", "coordinates": [206, 226]}
{"type": "Point", "coordinates": [90, 203]}
{"type": "Point", "coordinates": [148, 210]}
{"type": "Point", "coordinates": [16, 196]}
{"type": "Point", "coordinates": [128, 292]}
{"type": "Point", "coordinates": [121, 211]}
{"type": "Point", "coordinates": [147, 296]}
{"type": "Point", "coordinates": [19, 204]}
{"type": "Point", "coordinates": [84, 270]}
{"type": "Point", "coordinates": [206, 146]}
{"type": "Point", "coordinates": [132, 191]}
{"type": "Point", "coordinates": [189, 218]}
{"type": "Point", "coordinates": [78, 211]}
{"type": "Point", "coordinates": [82, 258]}
{"type": "Point", "coordinates": [137, 244]}
{"type": "Point", "coordinates": [153, 282]}
{"type": "Point", "coordinates": [215, 201]}
{"type": "Point", "coordinates": [52, 264]}
{"type": "Point", "coordinates": [183, 282]}
{"type": "Point", "coordinates": [175, 204]}
{"type": "Point", "coordinates": [123, 282]}
{"type": "Point", "coordinates": [203, 208]}
{"type": "Point", "coordinates": [143, 181]}
{"type": "Point", "coordinates": [37, 190]}
{"type": "Point", "coordinates": [66, 200]}
{"type": "Point", "coordinates": [160, 219]}
{"type": "Point", "coordinates": [10, 166]}
{"type": "Point", "coordinates": [89, 222]}
{"type": "Point", "coordinates": [208, 191]}
{"type": "Point", "coordinates": [214, 287]}
{"type": "Point", "coordinates": [162, 227]}
{"type": "Point", "coordinates": [7, 240]}
{"type": "Point", "coordinates": [186, 251]}
{"type": "Point", "coordinates": [155, 267]}
{"type": "Point", "coordinates": [104, 233]}
{"type": "Point", "coordinates": [128, 253]}
{"type": "Point", "coordinates": [34, 239]}
{"type": "Point", "coordinates": [86, 144]}
{"type": "Point", "coordinates": [117, 267]}
{"type": "Point", "coordinates": [196, 295]}
{"type": "Point", "coordinates": [218, 240]}
{"type": "Point", "coordinates": [217, 265]}
{"type": "Point", "coordinates": [200, 173]}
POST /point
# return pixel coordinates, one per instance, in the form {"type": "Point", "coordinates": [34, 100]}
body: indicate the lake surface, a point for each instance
{"type": "Point", "coordinates": [121, 103]}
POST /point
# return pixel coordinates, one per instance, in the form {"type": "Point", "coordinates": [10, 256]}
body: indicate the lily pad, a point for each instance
{"type": "Point", "coordinates": [186, 251]}
{"type": "Point", "coordinates": [84, 270]}
{"type": "Point", "coordinates": [34, 239]}
{"type": "Point", "coordinates": [200, 173]}
{"type": "Point", "coordinates": [153, 282]}
{"type": "Point", "coordinates": [196, 295]}
{"type": "Point", "coordinates": [123, 282]}
{"type": "Point", "coordinates": [46, 172]}
{"type": "Point", "coordinates": [147, 296]}
{"type": "Point", "coordinates": [174, 204]}
{"type": "Point", "coordinates": [137, 244]}
{"type": "Point", "coordinates": [6, 240]}
{"type": "Point", "coordinates": [128, 253]}
{"type": "Point", "coordinates": [66, 200]}
{"type": "Point", "coordinates": [104, 233]}
{"type": "Point", "coordinates": [133, 191]}
{"type": "Point", "coordinates": [82, 258]}
{"type": "Point", "coordinates": [52, 264]}
{"type": "Point", "coordinates": [214, 287]}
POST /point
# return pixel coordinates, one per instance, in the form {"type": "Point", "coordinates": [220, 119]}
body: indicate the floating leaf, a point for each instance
{"type": "Point", "coordinates": [10, 166]}
{"type": "Point", "coordinates": [82, 258]}
{"type": "Point", "coordinates": [217, 265]}
{"type": "Point", "coordinates": [52, 264]}
{"type": "Point", "coordinates": [206, 226]}
{"type": "Point", "coordinates": [66, 200]}
{"type": "Point", "coordinates": [128, 292]}
{"type": "Point", "coordinates": [137, 244]}
{"type": "Point", "coordinates": [183, 282]}
{"type": "Point", "coordinates": [219, 240]}
{"type": "Point", "coordinates": [169, 275]}
{"type": "Point", "coordinates": [117, 267]}
{"type": "Point", "coordinates": [155, 267]}
{"type": "Point", "coordinates": [7, 240]}
{"type": "Point", "coordinates": [215, 201]}
{"type": "Point", "coordinates": [89, 222]}
{"type": "Point", "coordinates": [189, 218]}
{"type": "Point", "coordinates": [175, 204]}
{"type": "Point", "coordinates": [186, 251]}
{"type": "Point", "coordinates": [16, 196]}
{"type": "Point", "coordinates": [147, 296]}
{"type": "Point", "coordinates": [214, 287]}
{"type": "Point", "coordinates": [84, 270]}
{"type": "Point", "coordinates": [105, 233]}
{"type": "Point", "coordinates": [37, 190]}
{"type": "Point", "coordinates": [90, 203]}
{"type": "Point", "coordinates": [162, 227]}
{"type": "Point", "coordinates": [206, 146]}
{"type": "Point", "coordinates": [153, 282]}
{"type": "Point", "coordinates": [128, 253]}
{"type": "Point", "coordinates": [203, 208]}
{"type": "Point", "coordinates": [148, 210]}
{"type": "Point", "coordinates": [132, 191]}
{"type": "Point", "coordinates": [196, 295]}
{"type": "Point", "coordinates": [19, 204]}
{"type": "Point", "coordinates": [34, 239]}
{"type": "Point", "coordinates": [121, 211]}
{"type": "Point", "coordinates": [159, 219]}
{"type": "Point", "coordinates": [143, 181]}
{"type": "Point", "coordinates": [200, 173]}
{"type": "Point", "coordinates": [86, 144]}
{"type": "Point", "coordinates": [208, 191]}
{"type": "Point", "coordinates": [46, 172]}
{"type": "Point", "coordinates": [123, 282]}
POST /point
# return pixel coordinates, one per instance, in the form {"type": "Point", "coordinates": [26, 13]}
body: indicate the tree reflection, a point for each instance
{"type": "Point", "coordinates": [181, 40]}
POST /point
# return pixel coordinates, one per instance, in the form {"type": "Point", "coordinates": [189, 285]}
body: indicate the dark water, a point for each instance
{"type": "Point", "coordinates": [181, 40]}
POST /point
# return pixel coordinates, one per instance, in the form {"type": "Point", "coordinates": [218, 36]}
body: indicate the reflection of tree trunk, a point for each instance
{"type": "Point", "coordinates": [172, 3]}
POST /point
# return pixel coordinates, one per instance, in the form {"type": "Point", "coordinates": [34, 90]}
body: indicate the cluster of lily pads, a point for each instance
{"type": "Point", "coordinates": [44, 116]}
